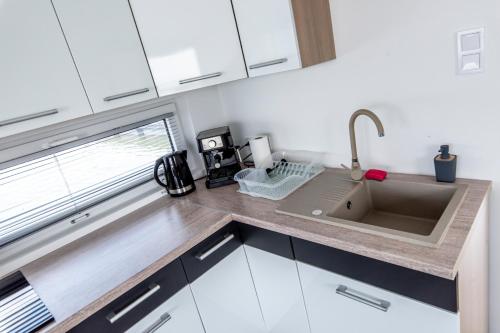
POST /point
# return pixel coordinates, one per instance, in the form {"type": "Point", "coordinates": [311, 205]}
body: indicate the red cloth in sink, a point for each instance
{"type": "Point", "coordinates": [374, 174]}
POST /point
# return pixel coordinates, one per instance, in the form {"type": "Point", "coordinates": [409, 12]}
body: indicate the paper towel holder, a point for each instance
{"type": "Point", "coordinates": [242, 157]}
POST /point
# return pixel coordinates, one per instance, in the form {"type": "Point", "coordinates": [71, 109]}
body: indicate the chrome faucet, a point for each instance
{"type": "Point", "coordinates": [356, 172]}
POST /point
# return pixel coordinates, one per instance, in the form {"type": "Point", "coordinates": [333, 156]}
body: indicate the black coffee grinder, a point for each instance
{"type": "Point", "coordinates": [219, 154]}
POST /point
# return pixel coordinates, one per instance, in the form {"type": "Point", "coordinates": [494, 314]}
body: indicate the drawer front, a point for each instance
{"type": "Point", "coordinates": [420, 286]}
{"type": "Point", "coordinates": [211, 251]}
{"type": "Point", "coordinates": [137, 302]}
{"type": "Point", "coordinates": [177, 314]}
{"type": "Point", "coordinates": [339, 304]}
{"type": "Point", "coordinates": [266, 240]}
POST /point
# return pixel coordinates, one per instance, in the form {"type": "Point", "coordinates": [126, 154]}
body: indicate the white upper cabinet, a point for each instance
{"type": "Point", "coordinates": [190, 43]}
{"type": "Point", "coordinates": [107, 50]}
{"type": "Point", "coordinates": [39, 83]}
{"type": "Point", "coordinates": [268, 37]}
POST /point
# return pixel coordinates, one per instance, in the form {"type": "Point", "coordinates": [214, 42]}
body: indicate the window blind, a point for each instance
{"type": "Point", "coordinates": [72, 178]}
{"type": "Point", "coordinates": [21, 310]}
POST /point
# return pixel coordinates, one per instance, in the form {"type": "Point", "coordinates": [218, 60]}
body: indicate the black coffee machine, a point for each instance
{"type": "Point", "coordinates": [219, 155]}
{"type": "Point", "coordinates": [179, 180]}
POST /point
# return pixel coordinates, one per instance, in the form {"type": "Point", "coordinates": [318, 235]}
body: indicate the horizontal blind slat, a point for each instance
{"type": "Point", "coordinates": [21, 309]}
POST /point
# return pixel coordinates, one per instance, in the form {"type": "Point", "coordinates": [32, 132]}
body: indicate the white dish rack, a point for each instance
{"type": "Point", "coordinates": [284, 179]}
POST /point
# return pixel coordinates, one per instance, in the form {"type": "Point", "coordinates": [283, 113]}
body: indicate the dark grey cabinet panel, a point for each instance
{"type": "Point", "coordinates": [147, 296]}
{"type": "Point", "coordinates": [266, 240]}
{"type": "Point", "coordinates": [211, 251]}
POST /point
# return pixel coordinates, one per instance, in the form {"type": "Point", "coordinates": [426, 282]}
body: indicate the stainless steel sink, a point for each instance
{"type": "Point", "coordinates": [411, 211]}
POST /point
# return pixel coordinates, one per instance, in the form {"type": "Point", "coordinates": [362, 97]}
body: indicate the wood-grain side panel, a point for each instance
{"type": "Point", "coordinates": [473, 277]}
{"type": "Point", "coordinates": [313, 23]}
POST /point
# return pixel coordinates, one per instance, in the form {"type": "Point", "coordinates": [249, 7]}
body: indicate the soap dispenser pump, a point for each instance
{"type": "Point", "coordinates": [445, 165]}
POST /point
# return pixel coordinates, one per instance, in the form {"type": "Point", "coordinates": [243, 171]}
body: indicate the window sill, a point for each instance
{"type": "Point", "coordinates": [19, 253]}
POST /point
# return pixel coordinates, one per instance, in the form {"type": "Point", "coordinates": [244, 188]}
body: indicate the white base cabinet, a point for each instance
{"type": "Point", "coordinates": [278, 289]}
{"type": "Point", "coordinates": [226, 297]}
{"type": "Point", "coordinates": [176, 315]}
{"type": "Point", "coordinates": [357, 308]}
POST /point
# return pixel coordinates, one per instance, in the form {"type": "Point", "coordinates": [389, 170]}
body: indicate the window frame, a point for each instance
{"type": "Point", "coordinates": [16, 148]}
{"type": "Point", "coordinates": [165, 118]}
{"type": "Point", "coordinates": [85, 140]}
{"type": "Point", "coordinates": [19, 253]}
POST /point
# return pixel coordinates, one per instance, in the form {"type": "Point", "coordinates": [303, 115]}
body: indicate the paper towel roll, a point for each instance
{"type": "Point", "coordinates": [261, 152]}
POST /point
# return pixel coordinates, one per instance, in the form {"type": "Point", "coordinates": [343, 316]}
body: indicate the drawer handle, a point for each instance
{"type": "Point", "coordinates": [269, 63]}
{"type": "Point", "coordinates": [202, 256]}
{"type": "Point", "coordinates": [362, 298]}
{"type": "Point", "coordinates": [201, 77]}
{"type": "Point", "coordinates": [126, 94]}
{"type": "Point", "coordinates": [164, 318]}
{"type": "Point", "coordinates": [28, 117]}
{"type": "Point", "coordinates": [113, 317]}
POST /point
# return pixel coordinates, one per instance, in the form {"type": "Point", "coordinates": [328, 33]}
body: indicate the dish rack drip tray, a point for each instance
{"type": "Point", "coordinates": [284, 179]}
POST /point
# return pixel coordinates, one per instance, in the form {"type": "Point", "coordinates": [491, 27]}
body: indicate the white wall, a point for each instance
{"type": "Point", "coordinates": [199, 110]}
{"type": "Point", "coordinates": [396, 58]}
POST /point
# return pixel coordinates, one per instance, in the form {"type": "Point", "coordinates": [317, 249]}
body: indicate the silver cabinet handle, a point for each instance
{"type": "Point", "coordinates": [126, 94]}
{"type": "Point", "coordinates": [362, 298]}
{"type": "Point", "coordinates": [113, 317]}
{"type": "Point", "coordinates": [268, 63]}
{"type": "Point", "coordinates": [164, 318]}
{"type": "Point", "coordinates": [28, 117]}
{"type": "Point", "coordinates": [202, 256]}
{"type": "Point", "coordinates": [199, 78]}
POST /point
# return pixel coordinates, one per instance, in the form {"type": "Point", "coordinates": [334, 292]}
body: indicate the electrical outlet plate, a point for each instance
{"type": "Point", "coordinates": [470, 51]}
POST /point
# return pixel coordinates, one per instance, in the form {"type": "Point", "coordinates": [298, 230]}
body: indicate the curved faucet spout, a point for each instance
{"type": "Point", "coordinates": [356, 172]}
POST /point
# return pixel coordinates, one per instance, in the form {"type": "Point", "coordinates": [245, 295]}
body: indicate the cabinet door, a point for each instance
{"type": "Point", "coordinates": [226, 297]}
{"type": "Point", "coordinates": [338, 304]}
{"type": "Point", "coordinates": [107, 50]}
{"type": "Point", "coordinates": [177, 314]}
{"type": "Point", "coordinates": [267, 31]}
{"type": "Point", "coordinates": [279, 292]}
{"type": "Point", "coordinates": [39, 84]}
{"type": "Point", "coordinates": [190, 43]}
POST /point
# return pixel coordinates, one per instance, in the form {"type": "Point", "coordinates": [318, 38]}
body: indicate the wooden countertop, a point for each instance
{"type": "Point", "coordinates": [83, 277]}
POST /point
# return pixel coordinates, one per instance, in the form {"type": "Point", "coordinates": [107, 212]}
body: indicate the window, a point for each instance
{"type": "Point", "coordinates": [74, 177]}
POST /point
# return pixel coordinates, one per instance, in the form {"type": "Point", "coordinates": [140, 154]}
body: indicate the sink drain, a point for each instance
{"type": "Point", "coordinates": [317, 212]}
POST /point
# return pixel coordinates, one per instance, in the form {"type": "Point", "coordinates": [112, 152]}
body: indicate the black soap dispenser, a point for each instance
{"type": "Point", "coordinates": [446, 165]}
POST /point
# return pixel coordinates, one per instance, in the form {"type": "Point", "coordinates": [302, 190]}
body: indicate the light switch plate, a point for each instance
{"type": "Point", "coordinates": [470, 51]}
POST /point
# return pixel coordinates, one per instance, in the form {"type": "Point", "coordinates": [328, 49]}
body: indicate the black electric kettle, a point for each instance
{"type": "Point", "coordinates": [179, 180]}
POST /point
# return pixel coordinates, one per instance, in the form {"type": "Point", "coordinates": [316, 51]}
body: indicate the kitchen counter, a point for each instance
{"type": "Point", "coordinates": [81, 278]}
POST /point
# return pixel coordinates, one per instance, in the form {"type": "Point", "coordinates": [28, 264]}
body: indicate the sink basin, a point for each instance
{"type": "Point", "coordinates": [410, 207]}
{"type": "Point", "coordinates": [412, 211]}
